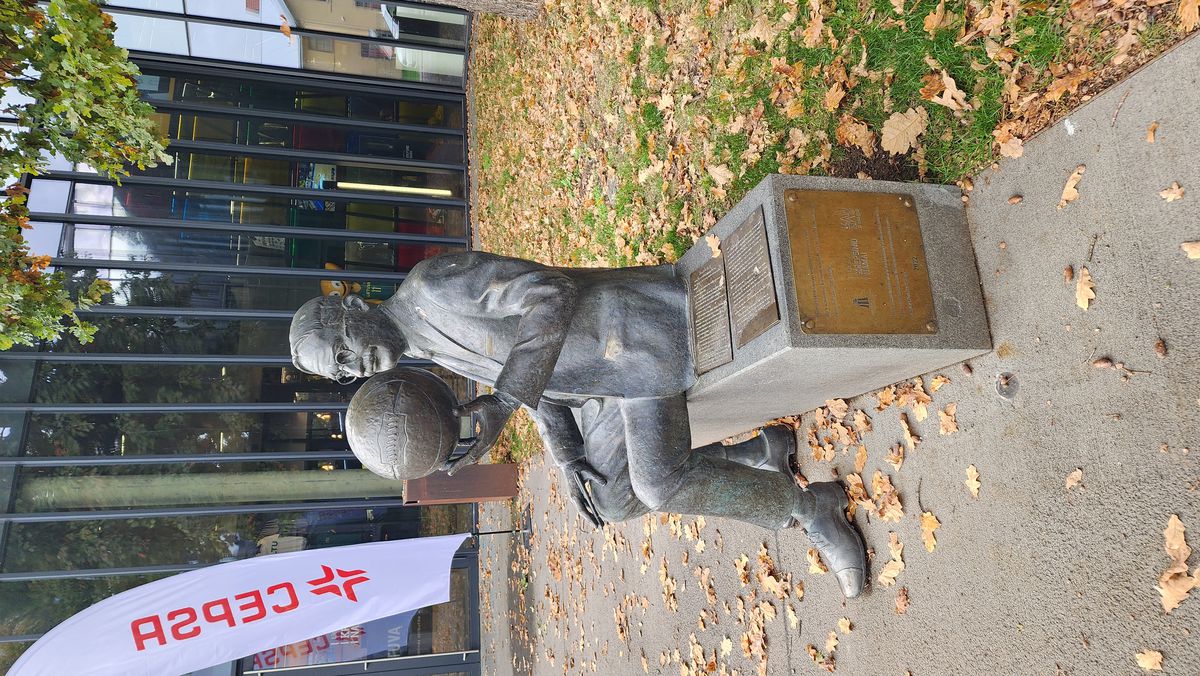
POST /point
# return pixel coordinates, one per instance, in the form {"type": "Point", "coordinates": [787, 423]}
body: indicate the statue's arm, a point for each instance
{"type": "Point", "coordinates": [545, 300]}
{"type": "Point", "coordinates": [564, 442]}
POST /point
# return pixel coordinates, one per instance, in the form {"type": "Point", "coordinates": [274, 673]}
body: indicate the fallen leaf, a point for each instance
{"type": "Point", "coordinates": [935, 19]}
{"type": "Point", "coordinates": [1068, 274]}
{"type": "Point", "coordinates": [1189, 15]}
{"type": "Point", "coordinates": [1174, 585]}
{"type": "Point", "coordinates": [793, 618]}
{"type": "Point", "coordinates": [726, 646]}
{"type": "Point", "coordinates": [1160, 348]}
{"type": "Point", "coordinates": [893, 568]}
{"type": "Point", "coordinates": [1175, 192]}
{"type": "Point", "coordinates": [1074, 478]}
{"type": "Point", "coordinates": [901, 130]}
{"type": "Point", "coordinates": [1015, 199]}
{"type": "Point", "coordinates": [972, 481]}
{"type": "Point", "coordinates": [831, 643]}
{"type": "Point", "coordinates": [860, 459]}
{"type": "Point", "coordinates": [721, 174]}
{"type": "Point", "coordinates": [845, 626]}
{"type": "Point", "coordinates": [1192, 249]}
{"type": "Point", "coordinates": [948, 423]}
{"type": "Point", "coordinates": [951, 97]}
{"type": "Point", "coordinates": [1069, 193]}
{"type": "Point", "coordinates": [1150, 660]}
{"type": "Point", "coordinates": [887, 500]}
{"type": "Point", "coordinates": [909, 438]}
{"type": "Point", "coordinates": [895, 456]}
{"type": "Point", "coordinates": [937, 383]}
{"type": "Point", "coordinates": [898, 5]}
{"type": "Point", "coordinates": [853, 132]}
{"type": "Point", "coordinates": [834, 96]}
{"type": "Point", "coordinates": [816, 24]}
{"type": "Point", "coordinates": [1150, 131]}
{"type": "Point", "coordinates": [714, 243]}
{"type": "Point", "coordinates": [1085, 289]}
{"type": "Point", "coordinates": [902, 601]}
{"type": "Point", "coordinates": [929, 523]}
{"type": "Point", "coordinates": [815, 565]}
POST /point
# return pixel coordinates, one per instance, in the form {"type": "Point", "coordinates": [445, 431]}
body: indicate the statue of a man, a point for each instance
{"type": "Point", "coordinates": [600, 359]}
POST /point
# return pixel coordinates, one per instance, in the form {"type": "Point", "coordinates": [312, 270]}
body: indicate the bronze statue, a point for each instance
{"type": "Point", "coordinates": [600, 359]}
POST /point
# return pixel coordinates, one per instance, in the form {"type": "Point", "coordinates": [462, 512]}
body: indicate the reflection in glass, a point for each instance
{"type": "Point", "coordinates": [35, 607]}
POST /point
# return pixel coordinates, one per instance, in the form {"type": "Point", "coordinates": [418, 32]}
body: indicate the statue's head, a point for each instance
{"type": "Point", "coordinates": [343, 338]}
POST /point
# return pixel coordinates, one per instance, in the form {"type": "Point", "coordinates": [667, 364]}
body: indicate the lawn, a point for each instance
{"type": "Point", "coordinates": [616, 132]}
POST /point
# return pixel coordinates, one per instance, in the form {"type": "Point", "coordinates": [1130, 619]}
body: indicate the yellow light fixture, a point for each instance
{"type": "Point", "coordinates": [408, 190]}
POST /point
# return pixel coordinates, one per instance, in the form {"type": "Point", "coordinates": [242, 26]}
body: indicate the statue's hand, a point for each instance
{"type": "Point", "coordinates": [492, 412]}
{"type": "Point", "coordinates": [578, 490]}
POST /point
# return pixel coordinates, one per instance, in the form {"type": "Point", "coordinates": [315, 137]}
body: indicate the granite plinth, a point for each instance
{"type": "Point", "coordinates": [827, 288]}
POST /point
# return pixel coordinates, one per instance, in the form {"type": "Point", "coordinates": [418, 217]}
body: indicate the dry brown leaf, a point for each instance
{"type": "Point", "coordinates": [1174, 585]}
{"type": "Point", "coordinates": [831, 643]}
{"type": "Point", "coordinates": [898, 5]}
{"type": "Point", "coordinates": [815, 565]}
{"type": "Point", "coordinates": [838, 408]}
{"type": "Point", "coordinates": [1150, 660]}
{"type": "Point", "coordinates": [948, 423]}
{"type": "Point", "coordinates": [860, 459]}
{"type": "Point", "coordinates": [1150, 131]}
{"type": "Point", "coordinates": [910, 439]}
{"type": "Point", "coordinates": [886, 397]}
{"type": "Point", "coordinates": [929, 523]}
{"type": "Point", "coordinates": [887, 500]}
{"type": "Point", "coordinates": [935, 19]}
{"type": "Point", "coordinates": [937, 383]}
{"type": "Point", "coordinates": [951, 97]}
{"type": "Point", "coordinates": [726, 646]}
{"type": "Point", "coordinates": [853, 132]}
{"type": "Point", "coordinates": [721, 174]}
{"type": "Point", "coordinates": [1015, 199]}
{"type": "Point", "coordinates": [1070, 193]}
{"type": "Point", "coordinates": [816, 25]}
{"type": "Point", "coordinates": [1192, 249]}
{"type": "Point", "coordinates": [714, 243]}
{"type": "Point", "coordinates": [1188, 14]}
{"type": "Point", "coordinates": [895, 456]}
{"type": "Point", "coordinates": [1068, 274]}
{"type": "Point", "coordinates": [893, 568]}
{"type": "Point", "coordinates": [1074, 479]}
{"type": "Point", "coordinates": [1175, 192]}
{"type": "Point", "coordinates": [902, 601]}
{"type": "Point", "coordinates": [901, 130]}
{"type": "Point", "coordinates": [793, 618]}
{"type": "Point", "coordinates": [972, 481]}
{"type": "Point", "coordinates": [1085, 289]}
{"type": "Point", "coordinates": [833, 97]}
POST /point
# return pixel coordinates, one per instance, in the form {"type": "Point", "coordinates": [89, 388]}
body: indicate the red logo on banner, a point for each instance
{"type": "Point", "coordinates": [326, 584]}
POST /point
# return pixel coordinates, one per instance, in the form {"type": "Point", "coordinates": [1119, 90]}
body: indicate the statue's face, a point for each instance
{"type": "Point", "coordinates": [362, 344]}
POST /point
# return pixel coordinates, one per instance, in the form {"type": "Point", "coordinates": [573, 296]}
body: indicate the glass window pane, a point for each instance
{"type": "Point", "coordinates": [180, 335]}
{"type": "Point", "coordinates": [36, 607]}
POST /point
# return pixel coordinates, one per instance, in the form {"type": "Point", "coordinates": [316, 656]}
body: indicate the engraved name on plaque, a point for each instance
{"type": "Point", "coordinates": [753, 307]}
{"type": "Point", "coordinates": [859, 263]}
{"type": "Point", "coordinates": [710, 316]}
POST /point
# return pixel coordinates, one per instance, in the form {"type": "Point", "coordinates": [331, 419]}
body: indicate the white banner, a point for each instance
{"type": "Point", "coordinates": [224, 612]}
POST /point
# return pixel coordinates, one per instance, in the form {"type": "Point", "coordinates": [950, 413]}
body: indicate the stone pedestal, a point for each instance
{"type": "Point", "coordinates": [823, 288]}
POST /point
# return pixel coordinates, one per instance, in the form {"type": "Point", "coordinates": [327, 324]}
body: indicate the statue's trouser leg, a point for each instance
{"type": "Point", "coordinates": [669, 477]}
{"type": "Point", "coordinates": [751, 452]}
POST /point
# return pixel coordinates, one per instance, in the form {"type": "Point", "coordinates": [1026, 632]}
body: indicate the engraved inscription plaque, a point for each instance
{"type": "Point", "coordinates": [710, 316]}
{"type": "Point", "coordinates": [753, 307]}
{"type": "Point", "coordinates": [859, 263]}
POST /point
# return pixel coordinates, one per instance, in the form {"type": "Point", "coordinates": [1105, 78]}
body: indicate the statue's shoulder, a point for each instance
{"type": "Point", "coordinates": [467, 264]}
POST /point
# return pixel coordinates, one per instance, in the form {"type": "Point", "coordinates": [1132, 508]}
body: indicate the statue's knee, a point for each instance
{"type": "Point", "coordinates": [652, 494]}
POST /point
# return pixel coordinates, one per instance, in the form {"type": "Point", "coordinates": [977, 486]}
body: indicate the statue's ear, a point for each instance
{"type": "Point", "coordinates": [351, 301]}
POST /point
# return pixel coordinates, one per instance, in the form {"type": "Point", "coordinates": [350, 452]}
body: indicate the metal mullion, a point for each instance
{"type": "Point", "coordinates": [255, 188]}
{"type": "Point", "coordinates": [423, 42]}
{"type": "Point", "coordinates": [103, 264]}
{"type": "Point", "coordinates": [91, 573]}
{"type": "Point", "coordinates": [20, 638]}
{"type": "Point", "coordinates": [236, 407]}
{"type": "Point", "coordinates": [309, 155]}
{"type": "Point", "coordinates": [196, 312]}
{"type": "Point", "coordinates": [439, 8]}
{"type": "Point", "coordinates": [343, 82]}
{"type": "Point", "coordinates": [215, 510]}
{"type": "Point", "coordinates": [177, 459]}
{"type": "Point", "coordinates": [243, 228]}
{"type": "Point", "coordinates": [306, 118]}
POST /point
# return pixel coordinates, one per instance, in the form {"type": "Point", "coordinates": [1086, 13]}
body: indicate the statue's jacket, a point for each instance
{"type": "Point", "coordinates": [534, 331]}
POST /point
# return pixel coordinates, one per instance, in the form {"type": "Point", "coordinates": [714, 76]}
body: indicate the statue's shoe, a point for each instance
{"type": "Point", "coordinates": [836, 539]}
{"type": "Point", "coordinates": [780, 443]}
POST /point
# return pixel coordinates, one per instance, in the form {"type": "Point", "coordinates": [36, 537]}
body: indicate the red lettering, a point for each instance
{"type": "Point", "coordinates": [156, 631]}
{"type": "Point", "coordinates": [322, 642]}
{"type": "Point", "coordinates": [226, 613]}
{"type": "Point", "coordinates": [306, 647]}
{"type": "Point", "coordinates": [291, 592]}
{"type": "Point", "coordinates": [188, 616]}
{"type": "Point", "coordinates": [256, 603]}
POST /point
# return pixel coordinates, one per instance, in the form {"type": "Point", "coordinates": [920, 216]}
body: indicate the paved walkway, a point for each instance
{"type": "Point", "coordinates": [1029, 578]}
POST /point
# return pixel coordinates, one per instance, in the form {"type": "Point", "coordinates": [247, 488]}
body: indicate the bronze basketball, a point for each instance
{"type": "Point", "coordinates": [401, 423]}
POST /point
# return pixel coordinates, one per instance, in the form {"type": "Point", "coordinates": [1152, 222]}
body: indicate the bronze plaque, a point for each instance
{"type": "Point", "coordinates": [859, 263]}
{"type": "Point", "coordinates": [753, 307]}
{"type": "Point", "coordinates": [710, 316]}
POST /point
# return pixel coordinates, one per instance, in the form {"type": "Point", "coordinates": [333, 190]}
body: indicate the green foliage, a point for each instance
{"type": "Point", "coordinates": [85, 106]}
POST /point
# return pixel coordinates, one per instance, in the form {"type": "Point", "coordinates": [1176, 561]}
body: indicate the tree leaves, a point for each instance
{"type": "Point", "coordinates": [972, 481]}
{"type": "Point", "coordinates": [947, 422]}
{"type": "Point", "coordinates": [1085, 289]}
{"type": "Point", "coordinates": [901, 130]}
{"type": "Point", "coordinates": [1192, 249]}
{"type": "Point", "coordinates": [929, 523]}
{"type": "Point", "coordinates": [1074, 479]}
{"type": "Point", "coordinates": [1150, 660]}
{"type": "Point", "coordinates": [1188, 14]}
{"type": "Point", "coordinates": [1070, 193]}
{"type": "Point", "coordinates": [1174, 192]}
{"type": "Point", "coordinates": [1174, 584]}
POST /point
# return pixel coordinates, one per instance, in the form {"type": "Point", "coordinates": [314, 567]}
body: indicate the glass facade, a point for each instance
{"type": "Point", "coordinates": [182, 436]}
